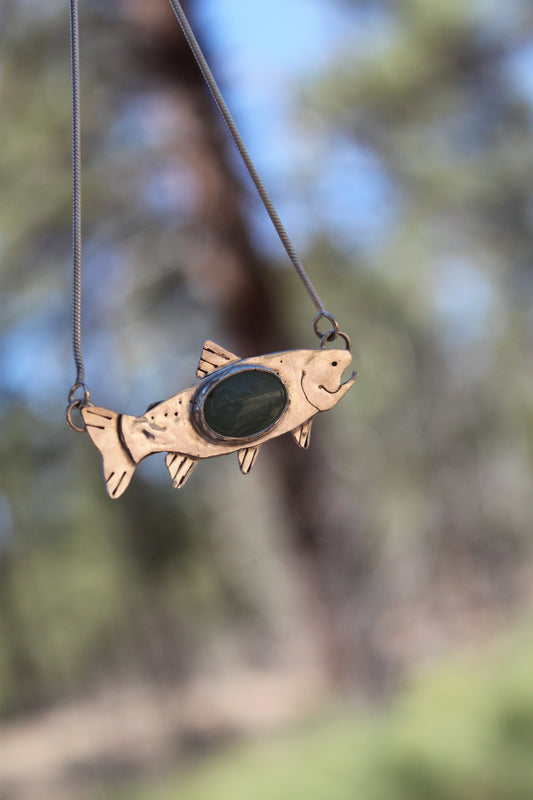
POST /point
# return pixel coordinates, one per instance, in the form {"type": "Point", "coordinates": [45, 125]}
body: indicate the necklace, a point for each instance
{"type": "Point", "coordinates": [238, 403]}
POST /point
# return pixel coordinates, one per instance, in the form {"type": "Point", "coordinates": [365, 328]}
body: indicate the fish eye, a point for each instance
{"type": "Point", "coordinates": [333, 363]}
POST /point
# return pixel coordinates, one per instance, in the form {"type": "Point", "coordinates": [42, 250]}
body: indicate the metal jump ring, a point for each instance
{"type": "Point", "coordinates": [70, 422]}
{"type": "Point", "coordinates": [327, 337]}
{"type": "Point", "coordinates": [86, 393]}
{"type": "Point", "coordinates": [331, 334]}
{"type": "Point", "coordinates": [77, 402]}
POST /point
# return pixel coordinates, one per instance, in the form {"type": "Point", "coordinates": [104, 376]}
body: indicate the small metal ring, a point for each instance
{"type": "Point", "coordinates": [70, 422]}
{"type": "Point", "coordinates": [77, 402]}
{"type": "Point", "coordinates": [328, 338]}
{"type": "Point", "coordinates": [86, 393]}
{"type": "Point", "coordinates": [331, 334]}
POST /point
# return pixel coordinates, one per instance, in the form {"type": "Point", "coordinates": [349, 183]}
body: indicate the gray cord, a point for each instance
{"type": "Point", "coordinates": [241, 147]}
{"type": "Point", "coordinates": [76, 197]}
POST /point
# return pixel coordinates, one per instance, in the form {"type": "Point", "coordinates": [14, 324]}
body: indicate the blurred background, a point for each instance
{"type": "Point", "coordinates": [350, 621]}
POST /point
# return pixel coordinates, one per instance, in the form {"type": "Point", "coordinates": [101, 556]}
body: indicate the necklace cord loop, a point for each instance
{"type": "Point", "coordinates": [333, 333]}
{"type": "Point", "coordinates": [79, 385]}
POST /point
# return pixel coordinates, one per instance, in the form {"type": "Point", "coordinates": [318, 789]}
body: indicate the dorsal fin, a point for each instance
{"type": "Point", "coordinates": [213, 357]}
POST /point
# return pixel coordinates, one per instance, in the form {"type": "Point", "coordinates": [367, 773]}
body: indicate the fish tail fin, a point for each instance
{"type": "Point", "coordinates": [105, 429]}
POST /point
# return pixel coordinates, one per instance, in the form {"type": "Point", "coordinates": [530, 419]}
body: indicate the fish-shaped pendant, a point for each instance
{"type": "Point", "coordinates": [237, 406]}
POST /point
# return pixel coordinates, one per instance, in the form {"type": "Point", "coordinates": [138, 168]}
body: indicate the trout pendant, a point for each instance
{"type": "Point", "coordinates": [237, 406]}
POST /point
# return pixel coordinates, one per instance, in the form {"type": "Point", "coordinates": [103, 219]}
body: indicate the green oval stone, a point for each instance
{"type": "Point", "coordinates": [245, 403]}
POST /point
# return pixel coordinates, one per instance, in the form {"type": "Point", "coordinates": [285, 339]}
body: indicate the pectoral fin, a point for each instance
{"type": "Point", "coordinates": [180, 468]}
{"type": "Point", "coordinates": [213, 356]}
{"type": "Point", "coordinates": [302, 434]}
{"type": "Point", "coordinates": [247, 458]}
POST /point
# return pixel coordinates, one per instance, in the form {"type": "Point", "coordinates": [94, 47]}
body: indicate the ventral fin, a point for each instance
{"type": "Point", "coordinates": [180, 468]}
{"type": "Point", "coordinates": [247, 458]}
{"type": "Point", "coordinates": [302, 434]}
{"type": "Point", "coordinates": [213, 357]}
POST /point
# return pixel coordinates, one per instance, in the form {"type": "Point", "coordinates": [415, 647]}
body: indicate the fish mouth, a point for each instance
{"type": "Point", "coordinates": [348, 382]}
{"type": "Point", "coordinates": [351, 379]}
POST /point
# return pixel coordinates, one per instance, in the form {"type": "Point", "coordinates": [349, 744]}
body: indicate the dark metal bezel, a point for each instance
{"type": "Point", "coordinates": [208, 383]}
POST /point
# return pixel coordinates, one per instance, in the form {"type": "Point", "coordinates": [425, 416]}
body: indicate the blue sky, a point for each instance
{"type": "Point", "coordinates": [262, 54]}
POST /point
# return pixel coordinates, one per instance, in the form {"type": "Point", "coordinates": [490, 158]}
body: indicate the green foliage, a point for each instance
{"type": "Point", "coordinates": [463, 731]}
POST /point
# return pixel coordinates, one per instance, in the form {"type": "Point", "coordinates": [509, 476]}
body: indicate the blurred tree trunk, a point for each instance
{"type": "Point", "coordinates": [235, 276]}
